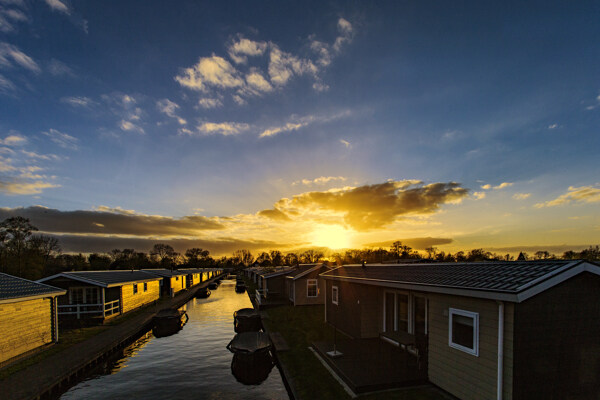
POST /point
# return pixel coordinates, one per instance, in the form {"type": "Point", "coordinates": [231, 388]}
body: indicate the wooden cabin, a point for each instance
{"type": "Point", "coordinates": [173, 281]}
{"type": "Point", "coordinates": [304, 286]}
{"type": "Point", "coordinates": [27, 316]}
{"type": "Point", "coordinates": [494, 330]}
{"type": "Point", "coordinates": [193, 276]}
{"type": "Point", "coordinates": [100, 295]}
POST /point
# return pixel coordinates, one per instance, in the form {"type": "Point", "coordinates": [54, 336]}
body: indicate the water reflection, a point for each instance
{"type": "Point", "coordinates": [252, 369]}
{"type": "Point", "coordinates": [193, 364]}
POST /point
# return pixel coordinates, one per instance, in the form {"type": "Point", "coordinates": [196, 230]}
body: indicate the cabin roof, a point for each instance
{"type": "Point", "coordinates": [302, 270]}
{"type": "Point", "coordinates": [105, 278]}
{"type": "Point", "coordinates": [284, 271]}
{"type": "Point", "coordinates": [511, 281]}
{"type": "Point", "coordinates": [165, 273]}
{"type": "Point", "coordinates": [12, 287]}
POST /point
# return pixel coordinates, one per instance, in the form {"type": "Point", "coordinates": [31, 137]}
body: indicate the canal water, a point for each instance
{"type": "Point", "coordinates": [192, 364]}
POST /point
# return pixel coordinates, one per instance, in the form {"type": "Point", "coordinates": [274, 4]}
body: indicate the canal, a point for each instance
{"type": "Point", "coordinates": [192, 364]}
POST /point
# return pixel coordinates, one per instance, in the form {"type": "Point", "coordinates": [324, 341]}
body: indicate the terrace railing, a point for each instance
{"type": "Point", "coordinates": [261, 296]}
{"type": "Point", "coordinates": [107, 309]}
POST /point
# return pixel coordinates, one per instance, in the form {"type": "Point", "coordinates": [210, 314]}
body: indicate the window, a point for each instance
{"type": "Point", "coordinates": [464, 331]}
{"type": "Point", "coordinates": [145, 286]}
{"type": "Point", "coordinates": [334, 295]}
{"type": "Point", "coordinates": [312, 289]}
{"type": "Point", "coordinates": [135, 288]}
{"type": "Point", "coordinates": [176, 278]}
{"type": "Point", "coordinates": [84, 295]}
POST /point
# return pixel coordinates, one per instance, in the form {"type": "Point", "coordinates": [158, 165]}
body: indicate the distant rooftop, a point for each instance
{"type": "Point", "coordinates": [12, 287]}
{"type": "Point", "coordinates": [105, 278]}
{"type": "Point", "coordinates": [166, 273]}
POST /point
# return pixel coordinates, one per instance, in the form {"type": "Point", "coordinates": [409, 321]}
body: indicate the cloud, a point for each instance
{"type": "Point", "coordinates": [222, 128]}
{"type": "Point", "coordinates": [131, 127]}
{"type": "Point", "coordinates": [479, 195]}
{"type": "Point", "coordinates": [283, 66]}
{"type": "Point", "coordinates": [497, 187]}
{"type": "Point", "coordinates": [111, 221]}
{"type": "Point", "coordinates": [57, 5]}
{"type": "Point", "coordinates": [285, 128]}
{"type": "Point", "coordinates": [13, 187]}
{"type": "Point", "coordinates": [47, 157]}
{"type": "Point", "coordinates": [60, 69]}
{"type": "Point", "coordinates": [375, 206]}
{"type": "Point", "coordinates": [76, 101]}
{"type": "Point", "coordinates": [521, 196]}
{"type": "Point", "coordinates": [168, 107]}
{"type": "Point", "coordinates": [209, 103]}
{"type": "Point", "coordinates": [64, 140]}
{"type": "Point", "coordinates": [553, 126]}
{"type": "Point", "coordinates": [274, 214]}
{"type": "Point", "coordinates": [217, 246]}
{"type": "Point", "coordinates": [320, 180]}
{"type": "Point", "coordinates": [9, 17]}
{"type": "Point", "coordinates": [13, 140]}
{"type": "Point", "coordinates": [240, 48]}
{"type": "Point", "coordinates": [210, 72]}
{"type": "Point", "coordinates": [11, 56]}
{"type": "Point", "coordinates": [257, 83]}
{"type": "Point", "coordinates": [415, 243]}
{"type": "Point", "coordinates": [296, 123]}
{"type": "Point", "coordinates": [6, 86]}
{"type": "Point", "coordinates": [582, 194]}
{"type": "Point", "coordinates": [346, 143]}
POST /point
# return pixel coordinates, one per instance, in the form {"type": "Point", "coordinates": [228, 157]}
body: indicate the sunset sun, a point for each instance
{"type": "Point", "coordinates": [334, 237]}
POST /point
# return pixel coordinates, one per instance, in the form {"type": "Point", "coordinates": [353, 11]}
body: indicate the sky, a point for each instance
{"type": "Point", "coordinates": [289, 125]}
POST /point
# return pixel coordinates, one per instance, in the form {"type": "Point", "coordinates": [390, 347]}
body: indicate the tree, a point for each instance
{"type": "Point", "coordinates": [291, 259]}
{"type": "Point", "coordinates": [197, 257]}
{"type": "Point", "coordinates": [17, 231]}
{"type": "Point", "coordinates": [46, 246]}
{"type": "Point", "coordinates": [276, 257]}
{"type": "Point", "coordinates": [243, 256]}
{"type": "Point", "coordinates": [431, 252]}
{"type": "Point", "coordinates": [164, 255]}
{"type": "Point", "coordinates": [98, 262]}
{"type": "Point", "coordinates": [311, 256]}
{"type": "Point", "coordinates": [264, 259]}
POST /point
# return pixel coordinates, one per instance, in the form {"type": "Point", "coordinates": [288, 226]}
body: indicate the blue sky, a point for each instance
{"type": "Point", "coordinates": [166, 110]}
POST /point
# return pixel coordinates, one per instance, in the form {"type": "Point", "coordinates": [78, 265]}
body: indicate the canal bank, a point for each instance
{"type": "Point", "coordinates": [53, 373]}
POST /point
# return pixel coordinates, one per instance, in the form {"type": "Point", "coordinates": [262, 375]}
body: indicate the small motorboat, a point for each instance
{"type": "Point", "coordinates": [203, 293]}
{"type": "Point", "coordinates": [246, 320]}
{"type": "Point", "coordinates": [213, 286]}
{"type": "Point", "coordinates": [250, 343]}
{"type": "Point", "coordinates": [168, 322]}
{"type": "Point", "coordinates": [240, 287]}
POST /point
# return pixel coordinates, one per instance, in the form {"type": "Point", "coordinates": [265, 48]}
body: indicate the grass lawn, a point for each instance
{"type": "Point", "coordinates": [300, 326]}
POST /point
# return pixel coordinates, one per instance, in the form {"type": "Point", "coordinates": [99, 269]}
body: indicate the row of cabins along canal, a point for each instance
{"type": "Point", "coordinates": [492, 330]}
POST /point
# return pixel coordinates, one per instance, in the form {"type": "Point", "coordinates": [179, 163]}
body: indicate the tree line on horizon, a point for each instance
{"type": "Point", "coordinates": [33, 256]}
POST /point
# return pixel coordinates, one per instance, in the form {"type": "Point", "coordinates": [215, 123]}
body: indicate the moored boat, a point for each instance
{"type": "Point", "coordinates": [203, 293]}
{"type": "Point", "coordinates": [168, 322]}
{"type": "Point", "coordinates": [246, 320]}
{"type": "Point", "coordinates": [250, 343]}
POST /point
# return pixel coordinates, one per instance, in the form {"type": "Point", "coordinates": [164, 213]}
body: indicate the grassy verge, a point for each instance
{"type": "Point", "coordinates": [300, 326]}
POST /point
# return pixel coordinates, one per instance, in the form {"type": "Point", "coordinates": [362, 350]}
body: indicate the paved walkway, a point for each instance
{"type": "Point", "coordinates": [36, 379]}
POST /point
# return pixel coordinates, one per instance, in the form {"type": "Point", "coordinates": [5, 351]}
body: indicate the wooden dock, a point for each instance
{"type": "Point", "coordinates": [54, 373]}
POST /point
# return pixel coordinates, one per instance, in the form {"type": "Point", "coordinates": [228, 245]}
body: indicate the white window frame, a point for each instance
{"type": "Point", "coordinates": [335, 295]}
{"type": "Point", "coordinates": [316, 283]}
{"type": "Point", "coordinates": [469, 314]}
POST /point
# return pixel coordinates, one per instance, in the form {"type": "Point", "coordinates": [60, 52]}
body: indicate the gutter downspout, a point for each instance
{"type": "Point", "coordinates": [500, 349]}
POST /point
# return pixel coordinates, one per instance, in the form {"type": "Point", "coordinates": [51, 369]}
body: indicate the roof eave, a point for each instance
{"type": "Point", "coordinates": [33, 297]}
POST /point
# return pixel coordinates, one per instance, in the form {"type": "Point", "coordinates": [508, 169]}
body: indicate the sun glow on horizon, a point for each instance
{"type": "Point", "coordinates": [332, 236]}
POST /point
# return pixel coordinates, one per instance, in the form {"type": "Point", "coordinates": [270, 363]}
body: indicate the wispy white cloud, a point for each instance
{"type": "Point", "coordinates": [285, 128]}
{"type": "Point", "coordinates": [322, 180]}
{"type": "Point", "coordinates": [11, 56]}
{"type": "Point", "coordinates": [168, 107]}
{"type": "Point", "coordinates": [209, 103]}
{"type": "Point", "coordinates": [46, 157]}
{"type": "Point", "coordinates": [346, 143]}
{"type": "Point", "coordinates": [16, 187]}
{"type": "Point", "coordinates": [552, 126]}
{"type": "Point", "coordinates": [59, 6]}
{"type": "Point", "coordinates": [222, 128]}
{"type": "Point", "coordinates": [77, 101]}
{"type": "Point", "coordinates": [11, 15]}
{"type": "Point", "coordinates": [497, 187]}
{"type": "Point", "coordinates": [241, 48]}
{"type": "Point", "coordinates": [521, 196]}
{"type": "Point", "coordinates": [62, 139]}
{"type": "Point", "coordinates": [283, 66]}
{"type": "Point", "coordinates": [13, 140]}
{"type": "Point", "coordinates": [60, 69]}
{"type": "Point", "coordinates": [582, 194]}
{"type": "Point", "coordinates": [6, 86]}
{"type": "Point", "coordinates": [478, 195]}
{"type": "Point", "coordinates": [130, 127]}
{"type": "Point", "coordinates": [210, 72]}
